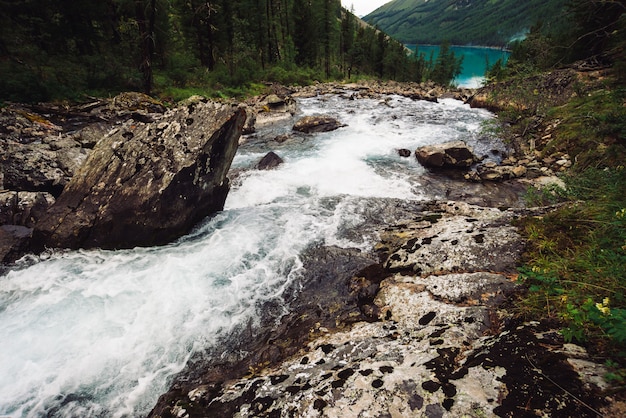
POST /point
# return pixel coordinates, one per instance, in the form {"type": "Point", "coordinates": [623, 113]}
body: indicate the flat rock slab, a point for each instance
{"type": "Point", "coordinates": [453, 237]}
{"type": "Point", "coordinates": [441, 344]}
{"type": "Point", "coordinates": [429, 358]}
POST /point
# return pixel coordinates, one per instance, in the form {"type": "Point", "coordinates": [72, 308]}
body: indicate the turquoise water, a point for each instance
{"type": "Point", "coordinates": [475, 61]}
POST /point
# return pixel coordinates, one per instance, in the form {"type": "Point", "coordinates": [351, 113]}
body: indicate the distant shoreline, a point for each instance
{"type": "Point", "coordinates": [495, 48]}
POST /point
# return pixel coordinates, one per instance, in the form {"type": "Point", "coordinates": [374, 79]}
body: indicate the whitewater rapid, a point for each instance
{"type": "Point", "coordinates": [102, 333]}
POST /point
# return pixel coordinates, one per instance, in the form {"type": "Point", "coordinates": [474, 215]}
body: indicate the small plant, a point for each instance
{"type": "Point", "coordinates": [595, 317]}
{"type": "Point", "coordinates": [575, 264]}
{"type": "Point", "coordinates": [616, 374]}
{"type": "Point", "coordinates": [543, 196]}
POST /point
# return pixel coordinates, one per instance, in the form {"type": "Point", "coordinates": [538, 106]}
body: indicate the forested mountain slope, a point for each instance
{"type": "Point", "coordinates": [54, 50]}
{"type": "Point", "coordinates": [464, 22]}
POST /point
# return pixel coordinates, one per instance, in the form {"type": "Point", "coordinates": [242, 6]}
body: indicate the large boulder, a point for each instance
{"type": "Point", "coordinates": [455, 154]}
{"type": "Point", "coordinates": [313, 124]}
{"type": "Point", "coordinates": [146, 184]}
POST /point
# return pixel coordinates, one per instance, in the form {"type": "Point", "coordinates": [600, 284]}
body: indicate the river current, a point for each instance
{"type": "Point", "coordinates": [102, 333]}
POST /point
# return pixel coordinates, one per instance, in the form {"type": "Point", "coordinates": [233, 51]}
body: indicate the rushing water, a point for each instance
{"type": "Point", "coordinates": [102, 333]}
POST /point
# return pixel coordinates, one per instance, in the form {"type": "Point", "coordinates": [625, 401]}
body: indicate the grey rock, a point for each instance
{"type": "Point", "coordinates": [269, 161]}
{"type": "Point", "coordinates": [89, 136]}
{"type": "Point", "coordinates": [23, 208]}
{"type": "Point", "coordinates": [147, 183]}
{"type": "Point", "coordinates": [443, 345]}
{"type": "Point", "coordinates": [14, 240]}
{"type": "Point", "coordinates": [453, 237]}
{"type": "Point", "coordinates": [33, 167]}
{"type": "Point", "coordinates": [280, 104]}
{"type": "Point", "coordinates": [313, 124]}
{"type": "Point", "coordinates": [455, 154]}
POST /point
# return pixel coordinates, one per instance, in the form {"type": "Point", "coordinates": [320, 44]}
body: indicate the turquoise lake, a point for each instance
{"type": "Point", "coordinates": [475, 61]}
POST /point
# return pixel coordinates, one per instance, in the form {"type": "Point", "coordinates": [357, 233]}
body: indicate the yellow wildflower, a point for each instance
{"type": "Point", "coordinates": [604, 307]}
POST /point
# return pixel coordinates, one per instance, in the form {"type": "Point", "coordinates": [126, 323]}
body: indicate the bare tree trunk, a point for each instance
{"type": "Point", "coordinates": [146, 32]}
{"type": "Point", "coordinates": [210, 36]}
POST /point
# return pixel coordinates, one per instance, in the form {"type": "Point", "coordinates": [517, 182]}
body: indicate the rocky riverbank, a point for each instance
{"type": "Point", "coordinates": [421, 329]}
{"type": "Point", "coordinates": [418, 326]}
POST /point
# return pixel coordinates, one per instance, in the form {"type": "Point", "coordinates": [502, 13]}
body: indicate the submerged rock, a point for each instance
{"type": "Point", "coordinates": [147, 183]}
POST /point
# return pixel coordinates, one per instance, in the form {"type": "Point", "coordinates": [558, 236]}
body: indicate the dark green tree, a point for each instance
{"type": "Point", "coordinates": [446, 66]}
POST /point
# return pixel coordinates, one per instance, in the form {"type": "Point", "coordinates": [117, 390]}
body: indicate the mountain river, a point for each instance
{"type": "Point", "coordinates": [102, 333]}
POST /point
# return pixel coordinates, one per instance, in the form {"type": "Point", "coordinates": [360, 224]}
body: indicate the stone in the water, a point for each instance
{"type": "Point", "coordinates": [455, 154]}
{"type": "Point", "coordinates": [313, 124]}
{"type": "Point", "coordinates": [269, 161]}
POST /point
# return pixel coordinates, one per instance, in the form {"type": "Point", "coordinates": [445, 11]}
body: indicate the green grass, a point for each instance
{"type": "Point", "coordinates": [592, 127]}
{"type": "Point", "coordinates": [575, 264]}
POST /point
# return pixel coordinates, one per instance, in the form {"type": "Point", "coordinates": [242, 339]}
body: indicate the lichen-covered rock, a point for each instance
{"type": "Point", "coordinates": [147, 183]}
{"type": "Point", "coordinates": [14, 241]}
{"type": "Point", "coordinates": [455, 154]}
{"type": "Point", "coordinates": [36, 155]}
{"type": "Point", "coordinates": [269, 109]}
{"type": "Point", "coordinates": [135, 101]}
{"type": "Point", "coordinates": [34, 167]}
{"type": "Point", "coordinates": [437, 345]}
{"type": "Point", "coordinates": [453, 237]}
{"type": "Point", "coordinates": [23, 208]}
{"type": "Point", "coordinates": [428, 356]}
{"type": "Point", "coordinates": [313, 124]}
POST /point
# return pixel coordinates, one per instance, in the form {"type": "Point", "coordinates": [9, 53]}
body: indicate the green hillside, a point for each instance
{"type": "Point", "coordinates": [464, 22]}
